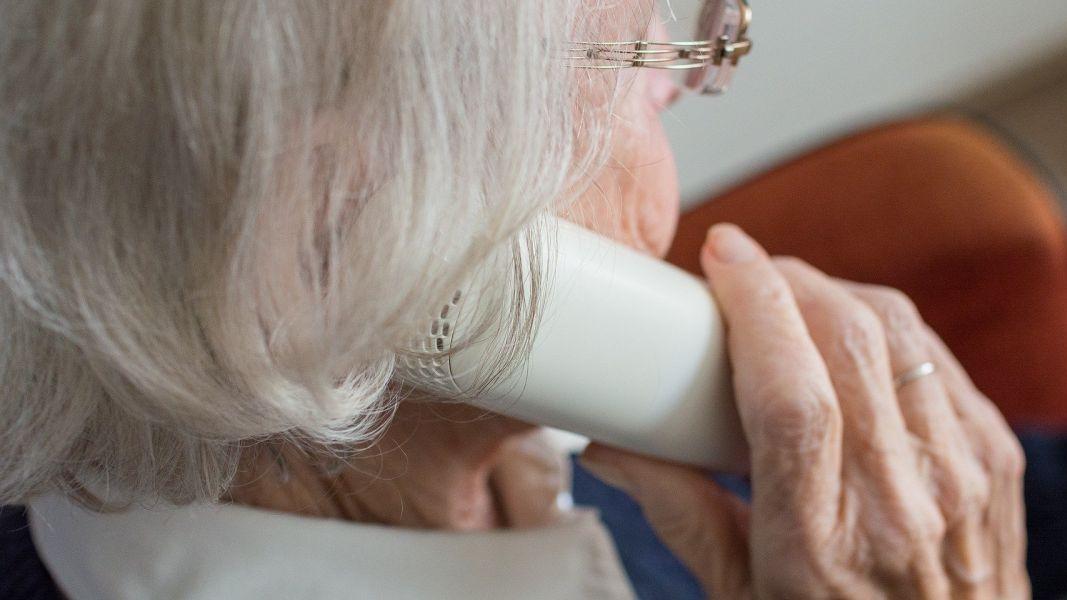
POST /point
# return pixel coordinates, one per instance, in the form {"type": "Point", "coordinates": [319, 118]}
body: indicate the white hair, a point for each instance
{"type": "Point", "coordinates": [220, 218]}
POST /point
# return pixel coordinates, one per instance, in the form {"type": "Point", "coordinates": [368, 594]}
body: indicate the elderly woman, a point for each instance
{"type": "Point", "coordinates": [220, 220]}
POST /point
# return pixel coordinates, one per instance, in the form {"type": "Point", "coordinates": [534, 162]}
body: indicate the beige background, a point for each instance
{"type": "Point", "coordinates": [822, 67]}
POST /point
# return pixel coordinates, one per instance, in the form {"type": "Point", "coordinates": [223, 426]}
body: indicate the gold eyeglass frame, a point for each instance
{"type": "Point", "coordinates": [678, 56]}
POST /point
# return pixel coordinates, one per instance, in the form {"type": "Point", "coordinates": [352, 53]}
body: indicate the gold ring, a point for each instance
{"type": "Point", "coordinates": [918, 372]}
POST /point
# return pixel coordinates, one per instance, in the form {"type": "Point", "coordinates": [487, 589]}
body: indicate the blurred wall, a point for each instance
{"type": "Point", "coordinates": [822, 67]}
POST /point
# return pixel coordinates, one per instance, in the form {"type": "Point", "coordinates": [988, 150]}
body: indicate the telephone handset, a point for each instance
{"type": "Point", "coordinates": [629, 351]}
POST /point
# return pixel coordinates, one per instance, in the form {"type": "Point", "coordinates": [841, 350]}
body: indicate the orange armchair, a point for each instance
{"type": "Point", "coordinates": [946, 212]}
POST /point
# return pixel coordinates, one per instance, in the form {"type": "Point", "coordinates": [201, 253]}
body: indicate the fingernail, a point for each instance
{"type": "Point", "coordinates": [609, 474]}
{"type": "Point", "coordinates": [730, 245]}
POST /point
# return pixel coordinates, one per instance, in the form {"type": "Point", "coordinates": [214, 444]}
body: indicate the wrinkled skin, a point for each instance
{"type": "Point", "coordinates": [440, 466]}
{"type": "Point", "coordinates": [858, 491]}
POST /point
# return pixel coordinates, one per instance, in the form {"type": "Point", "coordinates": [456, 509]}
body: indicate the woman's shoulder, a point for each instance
{"type": "Point", "coordinates": [213, 551]}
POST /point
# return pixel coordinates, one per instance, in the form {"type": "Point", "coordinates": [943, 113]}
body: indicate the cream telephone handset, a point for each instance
{"type": "Point", "coordinates": [629, 351]}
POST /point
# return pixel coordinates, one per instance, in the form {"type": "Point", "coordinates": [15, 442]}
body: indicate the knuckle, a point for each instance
{"type": "Point", "coordinates": [1009, 458]}
{"type": "Point", "coordinates": [796, 414]}
{"type": "Point", "coordinates": [1003, 452]}
{"type": "Point", "coordinates": [897, 309]}
{"type": "Point", "coordinates": [951, 488]}
{"type": "Point", "coordinates": [975, 490]}
{"type": "Point", "coordinates": [924, 524]}
{"type": "Point", "coordinates": [963, 489]}
{"type": "Point", "coordinates": [913, 530]}
{"type": "Point", "coordinates": [932, 528]}
{"type": "Point", "coordinates": [773, 292]}
{"type": "Point", "coordinates": [885, 295]}
{"type": "Point", "coordinates": [859, 335]}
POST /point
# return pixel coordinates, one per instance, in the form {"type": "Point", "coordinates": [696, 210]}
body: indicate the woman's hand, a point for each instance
{"type": "Point", "coordinates": [860, 490]}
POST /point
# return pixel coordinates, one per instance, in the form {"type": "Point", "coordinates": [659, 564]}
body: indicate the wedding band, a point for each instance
{"type": "Point", "coordinates": [918, 372]}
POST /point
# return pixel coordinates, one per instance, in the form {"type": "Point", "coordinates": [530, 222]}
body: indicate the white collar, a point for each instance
{"type": "Point", "coordinates": [235, 552]}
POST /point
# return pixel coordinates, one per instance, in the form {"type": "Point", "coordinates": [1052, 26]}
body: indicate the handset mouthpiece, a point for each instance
{"type": "Point", "coordinates": [629, 351]}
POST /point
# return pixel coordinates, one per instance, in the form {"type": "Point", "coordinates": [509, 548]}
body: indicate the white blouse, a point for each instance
{"type": "Point", "coordinates": [235, 552]}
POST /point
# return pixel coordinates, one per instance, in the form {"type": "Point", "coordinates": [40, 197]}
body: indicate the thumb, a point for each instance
{"type": "Point", "coordinates": [528, 478]}
{"type": "Point", "coordinates": [704, 525]}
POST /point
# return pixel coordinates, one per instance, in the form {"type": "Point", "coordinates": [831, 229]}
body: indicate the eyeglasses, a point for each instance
{"type": "Point", "coordinates": [710, 61]}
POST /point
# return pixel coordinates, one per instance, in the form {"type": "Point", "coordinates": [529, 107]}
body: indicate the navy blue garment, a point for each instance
{"type": "Point", "coordinates": [1046, 514]}
{"type": "Point", "coordinates": [654, 572]}
{"type": "Point", "coordinates": [22, 576]}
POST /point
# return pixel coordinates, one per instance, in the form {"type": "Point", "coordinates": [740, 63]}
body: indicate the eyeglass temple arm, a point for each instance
{"type": "Point", "coordinates": [658, 55]}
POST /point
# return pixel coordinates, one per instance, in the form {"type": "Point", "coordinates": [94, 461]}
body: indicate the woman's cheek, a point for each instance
{"type": "Point", "coordinates": [655, 191]}
{"type": "Point", "coordinates": [635, 197]}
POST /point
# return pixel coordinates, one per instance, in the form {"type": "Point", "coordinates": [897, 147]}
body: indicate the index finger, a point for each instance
{"type": "Point", "coordinates": [784, 394]}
